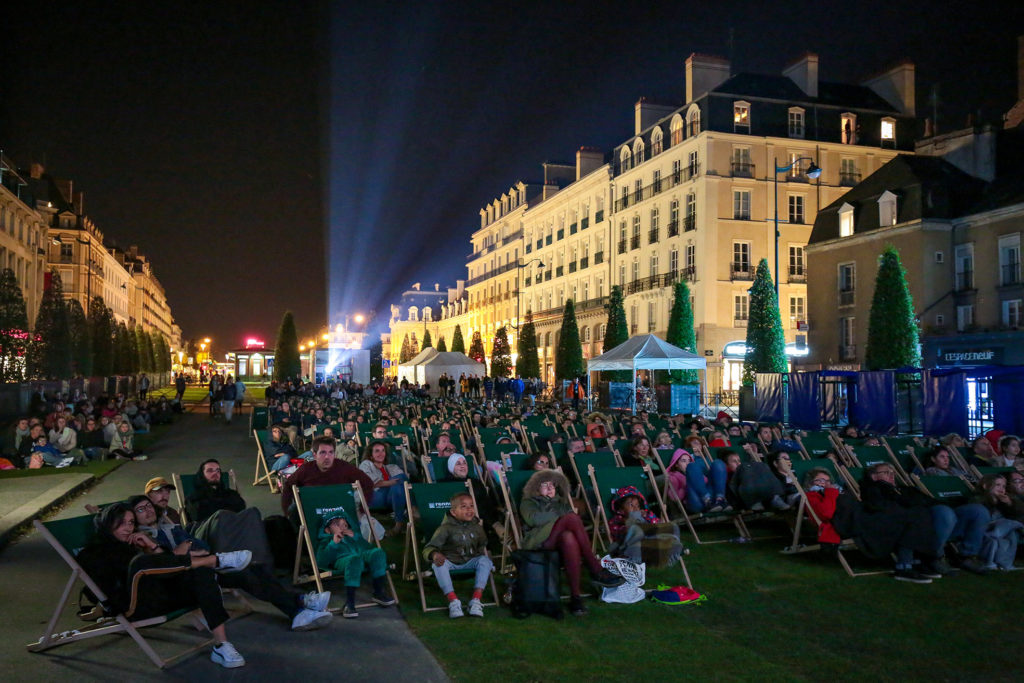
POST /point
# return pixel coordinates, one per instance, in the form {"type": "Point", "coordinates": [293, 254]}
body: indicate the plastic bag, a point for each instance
{"type": "Point", "coordinates": [635, 575]}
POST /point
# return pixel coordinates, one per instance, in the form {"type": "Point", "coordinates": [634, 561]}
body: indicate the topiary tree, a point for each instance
{"type": "Point", "coordinates": [406, 353]}
{"type": "Point", "coordinates": [14, 333]}
{"type": "Point", "coordinates": [376, 360]}
{"type": "Point", "coordinates": [892, 326]}
{"type": "Point", "coordinates": [126, 356]}
{"type": "Point", "coordinates": [476, 348]}
{"type": "Point", "coordinates": [142, 350]}
{"type": "Point", "coordinates": [681, 332]}
{"type": "Point", "coordinates": [81, 341]}
{"type": "Point", "coordinates": [428, 343]}
{"type": "Point", "coordinates": [458, 344]}
{"type": "Point", "coordinates": [617, 331]}
{"type": "Point", "coordinates": [101, 332]}
{"type": "Point", "coordinates": [442, 347]}
{"type": "Point", "coordinates": [527, 360]}
{"type": "Point", "coordinates": [766, 342]}
{"type": "Point", "coordinates": [287, 364]}
{"type": "Point", "coordinates": [50, 357]}
{"type": "Point", "coordinates": [501, 354]}
{"type": "Point", "coordinates": [569, 356]}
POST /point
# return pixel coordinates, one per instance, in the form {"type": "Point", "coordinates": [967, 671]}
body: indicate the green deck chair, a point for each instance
{"type": "Point", "coordinates": [263, 474]}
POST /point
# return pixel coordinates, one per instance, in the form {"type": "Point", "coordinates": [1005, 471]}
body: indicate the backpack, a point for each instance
{"type": "Point", "coordinates": [677, 595]}
{"type": "Point", "coordinates": [536, 586]}
{"type": "Point", "coordinates": [753, 483]}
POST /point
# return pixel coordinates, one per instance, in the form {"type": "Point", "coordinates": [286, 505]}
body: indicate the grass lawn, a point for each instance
{"type": "Point", "coordinates": [768, 617]}
{"type": "Point", "coordinates": [97, 468]}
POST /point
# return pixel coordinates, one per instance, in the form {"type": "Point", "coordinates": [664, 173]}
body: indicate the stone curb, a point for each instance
{"type": "Point", "coordinates": [21, 517]}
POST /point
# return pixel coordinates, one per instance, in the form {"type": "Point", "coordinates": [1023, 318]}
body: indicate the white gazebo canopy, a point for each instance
{"type": "Point", "coordinates": [645, 352]}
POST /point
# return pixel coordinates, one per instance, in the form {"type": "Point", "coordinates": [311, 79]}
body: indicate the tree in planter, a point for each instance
{"type": "Point", "coordinates": [102, 334]}
{"type": "Point", "coordinates": [127, 356]}
{"type": "Point", "coordinates": [892, 325]}
{"type": "Point", "coordinates": [476, 348]}
{"type": "Point", "coordinates": [527, 360]}
{"type": "Point", "coordinates": [161, 353]}
{"type": "Point", "coordinates": [428, 343]}
{"type": "Point", "coordinates": [142, 350]}
{"type": "Point", "coordinates": [442, 347]}
{"type": "Point", "coordinates": [51, 353]}
{"type": "Point", "coordinates": [766, 342]}
{"type": "Point", "coordinates": [287, 364]}
{"type": "Point", "coordinates": [81, 340]}
{"type": "Point", "coordinates": [681, 332]}
{"type": "Point", "coordinates": [376, 360]}
{"type": "Point", "coordinates": [458, 344]}
{"type": "Point", "coordinates": [616, 331]}
{"type": "Point", "coordinates": [406, 352]}
{"type": "Point", "coordinates": [14, 333]}
{"type": "Point", "coordinates": [569, 356]}
{"type": "Point", "coordinates": [501, 354]}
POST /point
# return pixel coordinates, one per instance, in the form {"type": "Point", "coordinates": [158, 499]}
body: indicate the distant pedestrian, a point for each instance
{"type": "Point", "coordinates": [179, 387]}
{"type": "Point", "coordinates": [143, 387]}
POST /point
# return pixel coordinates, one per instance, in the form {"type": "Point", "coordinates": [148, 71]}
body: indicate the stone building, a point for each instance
{"type": "Point", "coordinates": [24, 217]}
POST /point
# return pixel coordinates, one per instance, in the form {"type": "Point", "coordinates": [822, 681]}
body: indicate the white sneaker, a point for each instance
{"type": "Point", "coordinates": [227, 656]}
{"type": "Point", "coordinates": [316, 601]}
{"type": "Point", "coordinates": [234, 561]}
{"type": "Point", "coordinates": [476, 608]}
{"type": "Point", "coordinates": [455, 609]}
{"type": "Point", "coordinates": [310, 620]}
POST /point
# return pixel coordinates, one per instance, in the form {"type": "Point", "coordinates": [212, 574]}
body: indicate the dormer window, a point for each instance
{"type": "Point", "coordinates": [796, 122]}
{"type": "Point", "coordinates": [693, 119]}
{"type": "Point", "coordinates": [845, 220]}
{"type": "Point", "coordinates": [656, 142]}
{"type": "Point", "coordinates": [677, 129]}
{"type": "Point", "coordinates": [741, 117]}
{"type": "Point", "coordinates": [848, 128]}
{"type": "Point", "coordinates": [887, 209]}
{"type": "Point", "coordinates": [625, 159]}
{"type": "Point", "coordinates": [413, 314]}
{"type": "Point", "coordinates": [638, 152]}
{"type": "Point", "coordinates": [888, 132]}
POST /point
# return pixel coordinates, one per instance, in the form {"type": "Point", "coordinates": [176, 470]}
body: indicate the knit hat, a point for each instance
{"type": "Point", "coordinates": [333, 515]}
{"type": "Point", "coordinates": [453, 460]}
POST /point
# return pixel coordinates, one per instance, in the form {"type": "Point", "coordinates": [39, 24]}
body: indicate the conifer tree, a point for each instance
{"type": "Point", "coordinates": [617, 331]}
{"type": "Point", "coordinates": [51, 354]}
{"type": "Point", "coordinates": [501, 354]}
{"type": "Point", "coordinates": [569, 356]}
{"type": "Point", "coordinates": [287, 364]}
{"type": "Point", "coordinates": [428, 343]}
{"type": "Point", "coordinates": [766, 342]}
{"type": "Point", "coordinates": [442, 347]}
{"type": "Point", "coordinates": [14, 335]}
{"type": "Point", "coordinates": [406, 353]}
{"type": "Point", "coordinates": [681, 332]}
{"type": "Point", "coordinates": [142, 345]}
{"type": "Point", "coordinates": [892, 326]}
{"type": "Point", "coordinates": [376, 359]}
{"type": "Point", "coordinates": [81, 340]}
{"type": "Point", "coordinates": [527, 360]}
{"type": "Point", "coordinates": [126, 354]}
{"type": "Point", "coordinates": [101, 333]}
{"type": "Point", "coordinates": [458, 344]}
{"type": "Point", "coordinates": [476, 348]}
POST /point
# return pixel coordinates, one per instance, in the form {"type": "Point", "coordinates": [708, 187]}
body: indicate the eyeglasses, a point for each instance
{"type": "Point", "coordinates": [822, 481]}
{"type": "Point", "coordinates": [142, 507]}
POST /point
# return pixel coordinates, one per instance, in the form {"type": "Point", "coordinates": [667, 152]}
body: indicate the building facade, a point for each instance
{"type": "Point", "coordinates": [23, 234]}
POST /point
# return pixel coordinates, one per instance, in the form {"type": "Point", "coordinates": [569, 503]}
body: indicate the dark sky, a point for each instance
{"type": "Point", "coordinates": [229, 140]}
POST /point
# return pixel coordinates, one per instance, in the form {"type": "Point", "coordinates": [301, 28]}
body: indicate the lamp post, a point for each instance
{"type": "Point", "coordinates": [519, 267]}
{"type": "Point", "coordinates": [813, 171]}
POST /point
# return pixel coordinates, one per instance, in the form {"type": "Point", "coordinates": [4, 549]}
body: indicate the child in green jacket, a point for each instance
{"type": "Point", "coordinates": [460, 543]}
{"type": "Point", "coordinates": [343, 549]}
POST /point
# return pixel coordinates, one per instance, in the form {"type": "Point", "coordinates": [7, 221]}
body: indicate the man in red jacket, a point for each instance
{"type": "Point", "coordinates": [323, 471]}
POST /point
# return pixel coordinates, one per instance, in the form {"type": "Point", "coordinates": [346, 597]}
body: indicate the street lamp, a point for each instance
{"type": "Point", "coordinates": [519, 267]}
{"type": "Point", "coordinates": [813, 171]}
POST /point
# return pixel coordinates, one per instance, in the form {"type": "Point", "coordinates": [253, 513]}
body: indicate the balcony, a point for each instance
{"type": "Point", "coordinates": [739, 322]}
{"type": "Point", "coordinates": [634, 242]}
{"type": "Point", "coordinates": [964, 281]}
{"type": "Point", "coordinates": [847, 297]}
{"type": "Point", "coordinates": [673, 228]}
{"type": "Point", "coordinates": [584, 262]}
{"type": "Point", "coordinates": [622, 246]}
{"type": "Point", "coordinates": [740, 271]}
{"type": "Point", "coordinates": [797, 274]}
{"type": "Point", "coordinates": [1010, 274]}
{"type": "Point", "coordinates": [849, 179]}
{"type": "Point", "coordinates": [690, 222]}
{"type": "Point", "coordinates": [584, 222]}
{"type": "Point", "coordinates": [742, 169]}
{"type": "Point", "coordinates": [690, 273]}
{"type": "Point", "coordinates": [598, 217]}
{"type": "Point", "coordinates": [847, 351]}
{"type": "Point", "coordinates": [652, 236]}
{"type": "Point", "coordinates": [598, 257]}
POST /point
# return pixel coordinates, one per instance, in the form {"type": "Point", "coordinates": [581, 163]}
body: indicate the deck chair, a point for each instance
{"type": "Point", "coordinates": [428, 504]}
{"type": "Point", "coordinates": [312, 502]}
{"type": "Point", "coordinates": [437, 469]}
{"type": "Point", "coordinates": [263, 471]}
{"type": "Point", "coordinates": [948, 490]}
{"type": "Point", "coordinates": [67, 537]}
{"type": "Point", "coordinates": [511, 484]}
{"type": "Point", "coordinates": [816, 444]}
{"type": "Point", "coordinates": [672, 501]}
{"type": "Point", "coordinates": [580, 462]}
{"type": "Point", "coordinates": [185, 485]}
{"type": "Point", "coordinates": [608, 481]}
{"type": "Point", "coordinates": [259, 418]}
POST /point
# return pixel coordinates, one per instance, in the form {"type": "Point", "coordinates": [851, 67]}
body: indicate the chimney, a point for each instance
{"type": "Point", "coordinates": [804, 72]}
{"type": "Point", "coordinates": [895, 85]}
{"type": "Point", "coordinates": [80, 203]}
{"type": "Point", "coordinates": [588, 160]}
{"type": "Point", "coordinates": [646, 114]}
{"type": "Point", "coordinates": [36, 170]}
{"type": "Point", "coordinates": [704, 72]}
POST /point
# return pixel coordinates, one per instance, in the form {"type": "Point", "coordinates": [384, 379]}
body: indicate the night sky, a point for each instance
{"type": "Point", "coordinates": [321, 158]}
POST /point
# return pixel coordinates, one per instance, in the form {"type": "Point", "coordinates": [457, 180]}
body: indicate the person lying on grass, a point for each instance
{"type": "Point", "coordinates": [460, 543]}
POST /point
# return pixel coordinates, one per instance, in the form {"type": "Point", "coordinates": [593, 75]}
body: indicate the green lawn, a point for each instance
{"type": "Point", "coordinates": [768, 617]}
{"type": "Point", "coordinates": [97, 468]}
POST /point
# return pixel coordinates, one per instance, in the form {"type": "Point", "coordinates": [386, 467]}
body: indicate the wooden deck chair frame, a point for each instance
{"type": "Point", "coordinates": [305, 540]}
{"type": "Point", "coordinates": [513, 533]}
{"type": "Point", "coordinates": [586, 501]}
{"type": "Point", "coordinates": [603, 513]}
{"type": "Point", "coordinates": [412, 547]}
{"type": "Point", "coordinates": [263, 472]}
{"type": "Point", "coordinates": [107, 626]}
{"type": "Point", "coordinates": [669, 495]}
{"type": "Point", "coordinates": [179, 493]}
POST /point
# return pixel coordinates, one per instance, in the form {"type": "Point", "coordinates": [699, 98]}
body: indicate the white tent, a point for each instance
{"type": "Point", "coordinates": [452, 363]}
{"type": "Point", "coordinates": [408, 369]}
{"type": "Point", "coordinates": [645, 352]}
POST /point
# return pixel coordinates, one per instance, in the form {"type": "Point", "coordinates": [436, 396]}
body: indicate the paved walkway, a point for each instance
{"type": "Point", "coordinates": [377, 646]}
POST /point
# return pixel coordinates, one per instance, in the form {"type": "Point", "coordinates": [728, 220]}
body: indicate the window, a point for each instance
{"type": "Point", "coordinates": [796, 308]}
{"type": "Point", "coordinates": [635, 270]}
{"type": "Point", "coordinates": [741, 257]}
{"type": "Point", "coordinates": [694, 120]}
{"type": "Point", "coordinates": [964, 267]}
{"type": "Point", "coordinates": [600, 287]}
{"type": "Point", "coordinates": [741, 117]}
{"type": "Point", "coordinates": [940, 319]}
{"type": "Point", "coordinates": [676, 129]}
{"type": "Point", "coordinates": [601, 330]}
{"type": "Point", "coordinates": [673, 260]}
{"type": "Point", "coordinates": [845, 220]}
{"type": "Point", "coordinates": [1009, 259]}
{"type": "Point", "coordinates": [585, 332]}
{"type": "Point", "coordinates": [638, 152]}
{"type": "Point", "coordinates": [1012, 313]}
{"type": "Point", "coordinates": [887, 209]}
{"type": "Point", "coordinates": [796, 208]}
{"type": "Point", "coordinates": [741, 166]}
{"type": "Point", "coordinates": [673, 212]}
{"type": "Point", "coordinates": [796, 122]}
{"type": "Point", "coordinates": [65, 251]}
{"type": "Point", "coordinates": [638, 190]}
{"type": "Point", "coordinates": [656, 142]}
{"type": "Point", "coordinates": [848, 128]}
{"type": "Point", "coordinates": [586, 290]}
{"type": "Point", "coordinates": [691, 260]}
{"type": "Point", "coordinates": [796, 260]}
{"type": "Point", "coordinates": [888, 132]}
{"type": "Point", "coordinates": [656, 182]}
{"type": "Point", "coordinates": [848, 175]}
{"type": "Point", "coordinates": [625, 160]}
{"type": "Point", "coordinates": [741, 205]}
{"type": "Point", "coordinates": [691, 211]}
{"type": "Point", "coordinates": [964, 317]}
{"type": "Point", "coordinates": [654, 265]}
{"type": "Point", "coordinates": [796, 171]}
{"type": "Point", "coordinates": [654, 220]}
{"type": "Point", "coordinates": [634, 324]}
{"type": "Point", "coordinates": [847, 283]}
{"type": "Point", "coordinates": [940, 257]}
{"type": "Point", "coordinates": [847, 329]}
{"type": "Point", "coordinates": [677, 171]}
{"type": "Point", "coordinates": [652, 316]}
{"type": "Point", "coordinates": [692, 163]}
{"type": "Point", "coordinates": [741, 307]}
{"type": "Point", "coordinates": [622, 274]}
{"type": "Point", "coordinates": [413, 313]}
{"type": "Point", "coordinates": [635, 241]}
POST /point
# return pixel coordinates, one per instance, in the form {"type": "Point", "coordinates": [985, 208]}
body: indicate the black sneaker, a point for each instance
{"type": "Point", "coordinates": [935, 569]}
{"type": "Point", "coordinates": [383, 599]}
{"type": "Point", "coordinates": [973, 565]}
{"type": "Point", "coordinates": [605, 579]}
{"type": "Point", "coordinates": [576, 606]}
{"type": "Point", "coordinates": [911, 576]}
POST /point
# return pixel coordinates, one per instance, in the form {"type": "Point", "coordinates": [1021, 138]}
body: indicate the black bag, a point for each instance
{"type": "Point", "coordinates": [536, 588]}
{"type": "Point", "coordinates": [754, 483]}
{"type": "Point", "coordinates": [281, 536]}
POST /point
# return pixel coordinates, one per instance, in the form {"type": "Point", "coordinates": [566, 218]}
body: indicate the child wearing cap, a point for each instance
{"type": "Point", "coordinates": [159, 491]}
{"type": "Point", "coordinates": [341, 547]}
{"type": "Point", "coordinates": [460, 543]}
